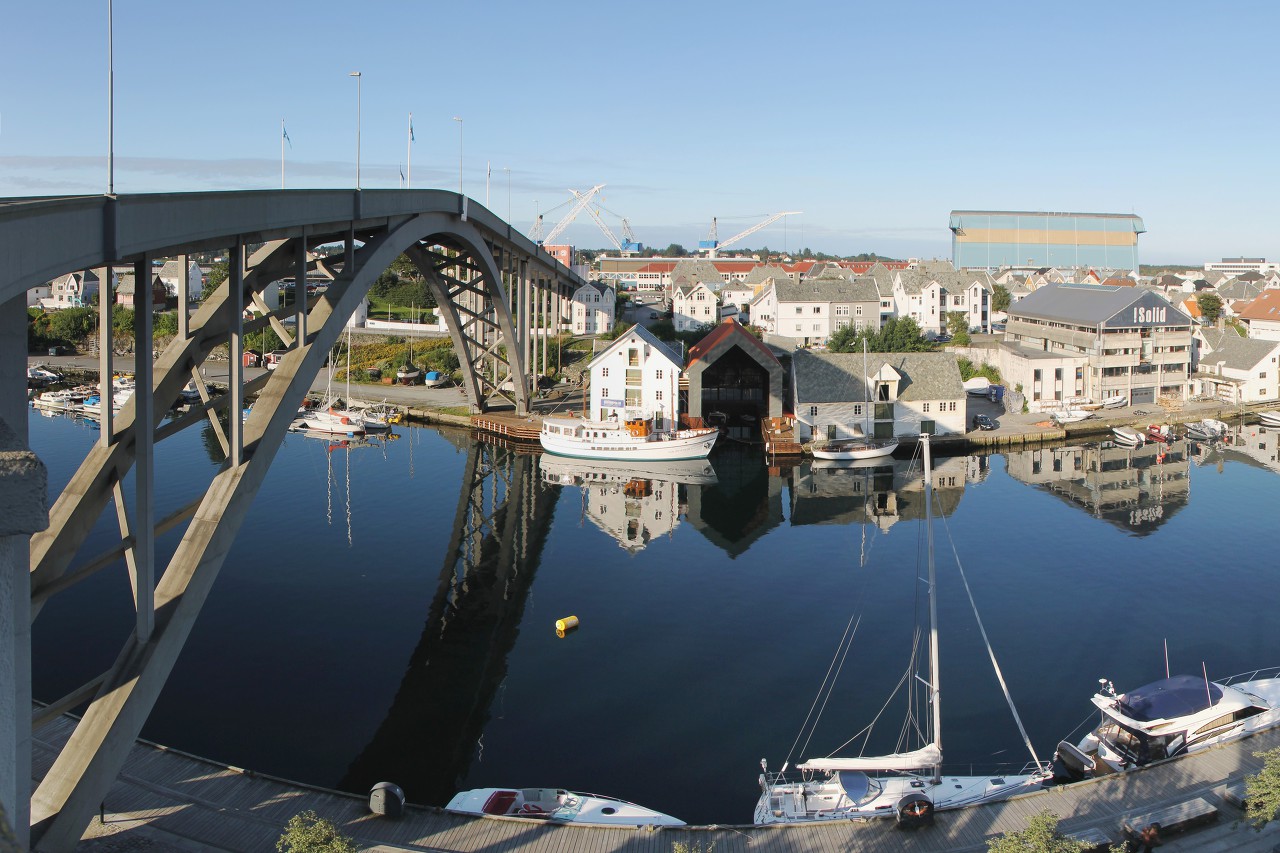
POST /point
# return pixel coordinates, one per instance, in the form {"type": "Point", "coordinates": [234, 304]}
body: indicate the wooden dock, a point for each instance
{"type": "Point", "coordinates": [167, 800]}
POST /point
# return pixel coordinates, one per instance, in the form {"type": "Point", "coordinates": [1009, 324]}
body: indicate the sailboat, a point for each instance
{"type": "Point", "coordinates": [860, 446]}
{"type": "Point", "coordinates": [908, 785]}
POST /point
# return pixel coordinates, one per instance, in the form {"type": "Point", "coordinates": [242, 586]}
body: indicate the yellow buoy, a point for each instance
{"type": "Point", "coordinates": [568, 623]}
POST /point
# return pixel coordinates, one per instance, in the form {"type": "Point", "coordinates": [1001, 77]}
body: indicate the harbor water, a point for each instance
{"type": "Point", "coordinates": [389, 610]}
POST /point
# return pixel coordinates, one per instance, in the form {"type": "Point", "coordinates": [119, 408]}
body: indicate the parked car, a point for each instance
{"type": "Point", "coordinates": [653, 315]}
{"type": "Point", "coordinates": [983, 422]}
{"type": "Point", "coordinates": [942, 338]}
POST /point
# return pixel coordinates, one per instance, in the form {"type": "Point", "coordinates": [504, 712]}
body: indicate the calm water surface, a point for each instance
{"type": "Point", "coordinates": [388, 611]}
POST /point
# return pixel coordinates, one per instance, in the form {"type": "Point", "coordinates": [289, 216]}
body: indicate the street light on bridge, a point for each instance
{"type": "Point", "coordinates": [359, 95]}
{"type": "Point", "coordinates": [459, 121]}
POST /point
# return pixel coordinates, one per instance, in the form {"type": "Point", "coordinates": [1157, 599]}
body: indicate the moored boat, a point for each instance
{"type": "Point", "coordinates": [855, 448]}
{"type": "Point", "coordinates": [1170, 717]}
{"type": "Point", "coordinates": [909, 784]}
{"type": "Point", "coordinates": [1162, 433]}
{"type": "Point", "coordinates": [627, 440]}
{"type": "Point", "coordinates": [1128, 437]}
{"type": "Point", "coordinates": [1206, 430]}
{"type": "Point", "coordinates": [1069, 416]}
{"type": "Point", "coordinates": [558, 806]}
{"type": "Point", "coordinates": [38, 376]}
{"type": "Point", "coordinates": [329, 421]}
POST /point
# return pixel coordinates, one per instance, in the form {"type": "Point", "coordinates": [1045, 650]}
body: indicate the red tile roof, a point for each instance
{"type": "Point", "coordinates": [730, 327]}
{"type": "Point", "coordinates": [1265, 306]}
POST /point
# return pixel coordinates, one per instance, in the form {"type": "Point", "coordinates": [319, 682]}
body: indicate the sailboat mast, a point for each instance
{"type": "Point", "coordinates": [933, 604]}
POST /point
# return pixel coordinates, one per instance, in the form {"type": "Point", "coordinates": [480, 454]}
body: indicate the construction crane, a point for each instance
{"type": "Point", "coordinates": [627, 245]}
{"type": "Point", "coordinates": [581, 200]}
{"type": "Point", "coordinates": [712, 244]}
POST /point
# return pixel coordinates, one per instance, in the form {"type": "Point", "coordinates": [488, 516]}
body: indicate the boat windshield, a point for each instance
{"type": "Point", "coordinates": [1137, 747]}
{"type": "Point", "coordinates": [858, 786]}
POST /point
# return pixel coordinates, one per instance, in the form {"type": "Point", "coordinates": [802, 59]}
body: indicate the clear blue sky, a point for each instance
{"type": "Point", "coordinates": [875, 119]}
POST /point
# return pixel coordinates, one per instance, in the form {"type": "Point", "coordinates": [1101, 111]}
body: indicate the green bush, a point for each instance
{"type": "Point", "coordinates": [1262, 790]}
{"type": "Point", "coordinates": [310, 833]}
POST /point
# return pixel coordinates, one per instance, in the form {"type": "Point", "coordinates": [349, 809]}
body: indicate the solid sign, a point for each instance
{"type": "Point", "coordinates": [612, 404]}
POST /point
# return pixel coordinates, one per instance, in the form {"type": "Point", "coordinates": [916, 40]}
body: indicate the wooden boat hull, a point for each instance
{"type": "Point", "coordinates": [853, 450]}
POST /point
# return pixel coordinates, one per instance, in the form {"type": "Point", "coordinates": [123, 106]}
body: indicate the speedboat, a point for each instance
{"type": "Point", "coordinates": [1128, 437]}
{"type": "Point", "coordinates": [1115, 401]}
{"type": "Point", "coordinates": [557, 805]}
{"type": "Point", "coordinates": [632, 440]}
{"type": "Point", "coordinates": [1206, 430]}
{"type": "Point", "coordinates": [1167, 718]}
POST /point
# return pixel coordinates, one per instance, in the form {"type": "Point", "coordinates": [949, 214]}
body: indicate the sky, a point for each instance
{"type": "Point", "coordinates": [873, 119]}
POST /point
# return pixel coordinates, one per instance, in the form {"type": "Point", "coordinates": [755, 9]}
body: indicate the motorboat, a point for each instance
{"type": "Point", "coordinates": [408, 374]}
{"type": "Point", "coordinates": [557, 805]}
{"type": "Point", "coordinates": [1162, 433]}
{"type": "Point", "coordinates": [1128, 437]}
{"type": "Point", "coordinates": [1206, 430]}
{"type": "Point", "coordinates": [1168, 718]}
{"type": "Point", "coordinates": [1271, 419]}
{"type": "Point", "coordinates": [1070, 416]}
{"type": "Point", "coordinates": [92, 405]}
{"type": "Point", "coordinates": [39, 376]}
{"type": "Point", "coordinates": [635, 439]}
{"type": "Point", "coordinates": [434, 379]}
{"type": "Point", "coordinates": [907, 784]}
{"type": "Point", "coordinates": [977, 386]}
{"type": "Point", "coordinates": [1115, 401]}
{"type": "Point", "coordinates": [63, 399]}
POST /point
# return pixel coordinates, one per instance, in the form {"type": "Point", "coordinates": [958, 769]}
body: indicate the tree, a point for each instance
{"type": "Point", "coordinates": [675, 250]}
{"type": "Point", "coordinates": [1040, 836]}
{"type": "Point", "coordinates": [310, 833]}
{"type": "Point", "coordinates": [1000, 298]}
{"type": "Point", "coordinates": [957, 322]}
{"type": "Point", "coordinates": [1262, 790]}
{"type": "Point", "coordinates": [217, 275]}
{"type": "Point", "coordinates": [1210, 305]}
{"type": "Point", "coordinates": [898, 334]}
{"type": "Point", "coordinates": [384, 283]}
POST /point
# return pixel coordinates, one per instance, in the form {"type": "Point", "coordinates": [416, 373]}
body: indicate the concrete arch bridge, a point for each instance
{"type": "Point", "coordinates": [494, 286]}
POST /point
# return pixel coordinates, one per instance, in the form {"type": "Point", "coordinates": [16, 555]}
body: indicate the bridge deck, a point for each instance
{"type": "Point", "coordinates": [168, 800]}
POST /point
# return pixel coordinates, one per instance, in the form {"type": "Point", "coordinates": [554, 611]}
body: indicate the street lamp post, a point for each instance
{"type": "Point", "coordinates": [459, 121]}
{"type": "Point", "coordinates": [359, 97]}
{"type": "Point", "coordinates": [507, 169]}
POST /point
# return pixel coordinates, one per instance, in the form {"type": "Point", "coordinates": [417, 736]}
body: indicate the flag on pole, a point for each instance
{"type": "Point", "coordinates": [411, 127]}
{"type": "Point", "coordinates": [402, 174]}
{"type": "Point", "coordinates": [286, 135]}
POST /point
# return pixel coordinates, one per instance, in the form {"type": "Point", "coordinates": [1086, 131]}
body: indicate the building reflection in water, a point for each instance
{"type": "Point", "coordinates": [1136, 489]}
{"type": "Point", "coordinates": [633, 503]}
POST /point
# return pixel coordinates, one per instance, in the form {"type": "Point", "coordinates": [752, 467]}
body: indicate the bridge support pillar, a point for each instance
{"type": "Point", "coordinates": [23, 511]}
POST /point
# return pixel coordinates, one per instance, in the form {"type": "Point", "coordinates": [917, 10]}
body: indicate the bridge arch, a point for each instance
{"type": "Point", "coordinates": [492, 284]}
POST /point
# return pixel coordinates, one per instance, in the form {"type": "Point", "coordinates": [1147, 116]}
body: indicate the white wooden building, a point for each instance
{"type": "Point", "coordinates": [636, 377]}
{"type": "Point", "coordinates": [909, 393]}
{"type": "Point", "coordinates": [592, 309]}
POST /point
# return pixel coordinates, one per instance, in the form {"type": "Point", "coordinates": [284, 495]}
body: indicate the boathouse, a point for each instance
{"type": "Point", "coordinates": [734, 380]}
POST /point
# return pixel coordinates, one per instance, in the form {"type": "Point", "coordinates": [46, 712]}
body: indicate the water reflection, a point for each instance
{"type": "Point", "coordinates": [1134, 488]}
{"type": "Point", "coordinates": [880, 492]}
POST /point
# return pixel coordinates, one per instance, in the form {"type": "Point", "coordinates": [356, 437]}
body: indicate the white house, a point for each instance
{"type": "Point", "coordinates": [919, 296]}
{"type": "Point", "coordinates": [636, 377]}
{"type": "Point", "coordinates": [74, 290]}
{"type": "Point", "coordinates": [693, 305]}
{"type": "Point", "coordinates": [1263, 316]}
{"type": "Point", "coordinates": [812, 310]}
{"type": "Point", "coordinates": [909, 393]}
{"type": "Point", "coordinates": [591, 311]}
{"type": "Point", "coordinates": [1235, 369]}
{"type": "Point", "coordinates": [171, 275]}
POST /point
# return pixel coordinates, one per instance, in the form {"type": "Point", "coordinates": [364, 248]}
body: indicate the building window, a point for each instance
{"type": "Point", "coordinates": [859, 310]}
{"type": "Point", "coordinates": [1035, 375]}
{"type": "Point", "coordinates": [1262, 375]}
{"type": "Point", "coordinates": [633, 358]}
{"type": "Point", "coordinates": [658, 375]}
{"type": "Point", "coordinates": [857, 409]}
{"type": "Point", "coordinates": [926, 407]}
{"type": "Point", "coordinates": [927, 427]}
{"type": "Point", "coordinates": [604, 392]}
{"type": "Point", "coordinates": [799, 310]}
{"type": "Point", "coordinates": [1057, 374]}
{"type": "Point", "coordinates": [817, 309]}
{"type": "Point", "coordinates": [657, 395]}
{"type": "Point", "coordinates": [813, 411]}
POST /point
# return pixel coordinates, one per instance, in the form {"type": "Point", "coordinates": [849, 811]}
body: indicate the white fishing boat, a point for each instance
{"type": "Point", "coordinates": [557, 805]}
{"type": "Point", "coordinates": [61, 400]}
{"type": "Point", "coordinates": [1271, 419]}
{"type": "Point", "coordinates": [92, 405]}
{"type": "Point", "coordinates": [632, 440]}
{"type": "Point", "coordinates": [860, 445]}
{"type": "Point", "coordinates": [1168, 718]}
{"type": "Point", "coordinates": [908, 784]}
{"type": "Point", "coordinates": [1128, 437]}
{"type": "Point", "coordinates": [434, 379]}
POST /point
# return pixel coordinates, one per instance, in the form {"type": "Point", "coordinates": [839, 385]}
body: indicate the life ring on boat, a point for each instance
{"type": "Point", "coordinates": [346, 421]}
{"type": "Point", "coordinates": [914, 810]}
